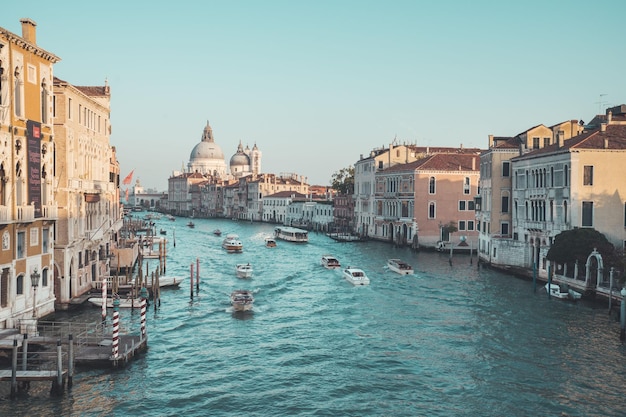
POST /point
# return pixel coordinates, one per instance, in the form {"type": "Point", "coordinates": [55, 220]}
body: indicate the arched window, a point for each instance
{"type": "Point", "coordinates": [431, 210]}
{"type": "Point", "coordinates": [17, 92]}
{"type": "Point", "coordinates": [19, 285]}
{"type": "Point", "coordinates": [566, 176]}
{"type": "Point", "coordinates": [431, 185]}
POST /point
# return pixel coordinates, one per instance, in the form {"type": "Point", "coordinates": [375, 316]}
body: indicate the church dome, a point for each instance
{"type": "Point", "coordinates": [240, 158]}
{"type": "Point", "coordinates": [207, 156]}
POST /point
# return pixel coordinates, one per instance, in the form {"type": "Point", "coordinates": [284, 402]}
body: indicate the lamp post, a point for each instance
{"type": "Point", "coordinates": [34, 280]}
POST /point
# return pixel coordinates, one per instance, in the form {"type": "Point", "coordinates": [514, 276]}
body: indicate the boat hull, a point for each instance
{"type": "Point", "coordinates": [241, 300]}
{"type": "Point", "coordinates": [399, 267]}
{"type": "Point", "coordinates": [124, 302]}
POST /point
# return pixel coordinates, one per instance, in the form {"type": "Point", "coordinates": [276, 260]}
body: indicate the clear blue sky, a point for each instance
{"type": "Point", "coordinates": [316, 84]}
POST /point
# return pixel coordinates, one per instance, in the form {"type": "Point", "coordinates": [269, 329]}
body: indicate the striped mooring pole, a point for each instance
{"type": "Point", "coordinates": [116, 328]}
{"type": "Point", "coordinates": [104, 300]}
{"type": "Point", "coordinates": [144, 296]}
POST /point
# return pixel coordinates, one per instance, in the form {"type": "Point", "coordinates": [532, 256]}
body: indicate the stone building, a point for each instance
{"type": "Point", "coordinates": [87, 190]}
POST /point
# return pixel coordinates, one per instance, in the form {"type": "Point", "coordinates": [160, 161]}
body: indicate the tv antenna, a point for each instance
{"type": "Point", "coordinates": [601, 103]}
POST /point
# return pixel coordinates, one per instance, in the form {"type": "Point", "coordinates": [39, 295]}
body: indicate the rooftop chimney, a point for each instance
{"type": "Point", "coordinates": [490, 141]}
{"type": "Point", "coordinates": [29, 31]}
{"type": "Point", "coordinates": [602, 127]}
{"type": "Point", "coordinates": [559, 138]}
{"type": "Point", "coordinates": [609, 117]}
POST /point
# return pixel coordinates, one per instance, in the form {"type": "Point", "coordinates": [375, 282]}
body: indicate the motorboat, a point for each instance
{"type": "Point", "coordinates": [163, 231]}
{"type": "Point", "coordinates": [241, 300]}
{"type": "Point", "coordinates": [330, 262]}
{"type": "Point", "coordinates": [217, 232]}
{"type": "Point", "coordinates": [555, 290]}
{"type": "Point", "coordinates": [164, 281]}
{"type": "Point", "coordinates": [232, 243]}
{"type": "Point", "coordinates": [355, 276]}
{"type": "Point", "coordinates": [124, 302]}
{"type": "Point", "coordinates": [399, 266]}
{"type": "Point", "coordinates": [270, 242]}
{"type": "Point", "coordinates": [291, 234]}
{"type": "Point", "coordinates": [244, 270]}
{"type": "Point", "coordinates": [171, 218]}
{"type": "Point", "coordinates": [191, 225]}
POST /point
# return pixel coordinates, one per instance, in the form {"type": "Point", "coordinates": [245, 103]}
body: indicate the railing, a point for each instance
{"type": "Point", "coordinates": [26, 213]}
{"type": "Point", "coordinates": [5, 214]}
{"type": "Point", "coordinates": [50, 211]}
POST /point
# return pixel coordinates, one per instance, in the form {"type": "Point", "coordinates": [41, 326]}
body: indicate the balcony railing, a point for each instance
{"type": "Point", "coordinates": [26, 213]}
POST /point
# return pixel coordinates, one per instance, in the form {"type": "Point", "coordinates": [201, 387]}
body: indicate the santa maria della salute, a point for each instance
{"type": "Point", "coordinates": [209, 187]}
{"type": "Point", "coordinates": [207, 159]}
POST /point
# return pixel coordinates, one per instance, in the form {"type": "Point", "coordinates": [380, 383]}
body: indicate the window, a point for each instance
{"type": "Point", "coordinates": [566, 176]}
{"type": "Point", "coordinates": [546, 142]}
{"type": "Point", "coordinates": [19, 285]}
{"type": "Point", "coordinates": [462, 205]}
{"type": "Point", "coordinates": [587, 214]}
{"type": "Point", "coordinates": [461, 225]}
{"type": "Point", "coordinates": [431, 210]}
{"type": "Point", "coordinates": [470, 205]}
{"type": "Point", "coordinates": [504, 229]}
{"type": "Point", "coordinates": [470, 225]}
{"type": "Point", "coordinates": [69, 108]}
{"type": "Point", "coordinates": [588, 175]}
{"type": "Point", "coordinates": [505, 204]}
{"type": "Point", "coordinates": [466, 186]}
{"type": "Point", "coordinates": [44, 278]}
{"type": "Point", "coordinates": [431, 185]}
{"type": "Point", "coordinates": [506, 169]}
{"type": "Point", "coordinates": [21, 245]}
{"type": "Point", "coordinates": [44, 240]}
{"type": "Point", "coordinates": [535, 143]}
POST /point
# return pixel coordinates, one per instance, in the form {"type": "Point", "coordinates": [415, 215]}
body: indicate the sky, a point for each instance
{"type": "Point", "coordinates": [318, 84]}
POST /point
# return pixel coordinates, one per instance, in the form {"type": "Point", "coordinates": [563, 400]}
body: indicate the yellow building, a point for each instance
{"type": "Point", "coordinates": [27, 147]}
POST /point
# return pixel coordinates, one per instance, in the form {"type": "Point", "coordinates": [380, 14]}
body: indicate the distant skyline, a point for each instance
{"type": "Point", "coordinates": [317, 84]}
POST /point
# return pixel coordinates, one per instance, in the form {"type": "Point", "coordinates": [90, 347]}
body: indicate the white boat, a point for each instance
{"type": "Point", "coordinates": [124, 302]}
{"type": "Point", "coordinates": [164, 281]}
{"type": "Point", "coordinates": [244, 270]}
{"type": "Point", "coordinates": [555, 291]}
{"type": "Point", "coordinates": [355, 276]}
{"type": "Point", "coordinates": [171, 218]}
{"type": "Point", "coordinates": [401, 267]}
{"type": "Point", "coordinates": [270, 242]}
{"type": "Point", "coordinates": [232, 243]}
{"type": "Point", "coordinates": [241, 300]}
{"type": "Point", "coordinates": [291, 234]}
{"type": "Point", "coordinates": [330, 262]}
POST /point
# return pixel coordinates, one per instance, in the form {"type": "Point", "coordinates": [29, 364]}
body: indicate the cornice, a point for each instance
{"type": "Point", "coordinates": [29, 47]}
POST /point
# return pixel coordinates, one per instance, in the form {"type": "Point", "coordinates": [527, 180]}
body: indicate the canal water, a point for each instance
{"type": "Point", "coordinates": [451, 340]}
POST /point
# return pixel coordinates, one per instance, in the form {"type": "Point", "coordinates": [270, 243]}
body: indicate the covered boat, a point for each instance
{"type": "Point", "coordinates": [232, 243]}
{"type": "Point", "coordinates": [355, 276]}
{"type": "Point", "coordinates": [241, 300]}
{"type": "Point", "coordinates": [399, 266]}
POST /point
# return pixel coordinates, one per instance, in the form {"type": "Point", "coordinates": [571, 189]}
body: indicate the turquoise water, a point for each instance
{"type": "Point", "coordinates": [451, 340]}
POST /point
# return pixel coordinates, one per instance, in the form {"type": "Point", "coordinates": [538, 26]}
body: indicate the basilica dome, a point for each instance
{"type": "Point", "coordinates": [207, 156]}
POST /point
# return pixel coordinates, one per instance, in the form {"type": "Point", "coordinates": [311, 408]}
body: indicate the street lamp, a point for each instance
{"type": "Point", "coordinates": [34, 280]}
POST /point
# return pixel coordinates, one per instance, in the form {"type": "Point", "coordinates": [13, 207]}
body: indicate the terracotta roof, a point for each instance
{"type": "Point", "coordinates": [615, 136]}
{"type": "Point", "coordinates": [441, 162]}
{"type": "Point", "coordinates": [286, 194]}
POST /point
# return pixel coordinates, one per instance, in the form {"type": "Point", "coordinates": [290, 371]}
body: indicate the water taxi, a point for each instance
{"type": "Point", "coordinates": [330, 262]}
{"type": "Point", "coordinates": [355, 276]}
{"type": "Point", "coordinates": [400, 267]}
{"type": "Point", "coordinates": [270, 242]}
{"type": "Point", "coordinates": [241, 300]}
{"type": "Point", "coordinates": [244, 270]}
{"type": "Point", "coordinates": [291, 234]}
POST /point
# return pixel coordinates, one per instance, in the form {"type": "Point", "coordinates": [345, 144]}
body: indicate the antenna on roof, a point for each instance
{"type": "Point", "coordinates": [600, 103]}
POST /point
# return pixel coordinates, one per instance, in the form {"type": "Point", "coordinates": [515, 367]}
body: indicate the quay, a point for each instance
{"type": "Point", "coordinates": [51, 351]}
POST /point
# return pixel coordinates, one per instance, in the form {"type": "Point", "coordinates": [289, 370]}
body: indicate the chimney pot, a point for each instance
{"type": "Point", "coordinates": [29, 31]}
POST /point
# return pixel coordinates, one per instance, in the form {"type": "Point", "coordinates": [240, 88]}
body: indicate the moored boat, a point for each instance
{"type": "Point", "coordinates": [556, 291]}
{"type": "Point", "coordinates": [355, 276]}
{"type": "Point", "coordinates": [330, 262]}
{"type": "Point", "coordinates": [232, 243]}
{"type": "Point", "coordinates": [124, 302]}
{"type": "Point", "coordinates": [399, 266]}
{"type": "Point", "coordinates": [241, 300]}
{"type": "Point", "coordinates": [291, 234]}
{"type": "Point", "coordinates": [244, 270]}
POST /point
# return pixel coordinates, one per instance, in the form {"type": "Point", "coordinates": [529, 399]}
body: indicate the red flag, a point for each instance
{"type": "Point", "coordinates": [128, 178]}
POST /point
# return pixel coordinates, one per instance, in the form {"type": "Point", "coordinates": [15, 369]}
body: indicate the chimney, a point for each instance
{"type": "Point", "coordinates": [606, 143]}
{"type": "Point", "coordinates": [490, 141]}
{"type": "Point", "coordinates": [29, 31]}
{"type": "Point", "coordinates": [602, 127]}
{"type": "Point", "coordinates": [609, 117]}
{"type": "Point", "coordinates": [473, 163]}
{"type": "Point", "coordinates": [559, 138]}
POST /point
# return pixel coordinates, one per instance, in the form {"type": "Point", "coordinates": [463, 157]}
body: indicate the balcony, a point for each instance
{"type": "Point", "coordinates": [5, 215]}
{"type": "Point", "coordinates": [26, 214]}
{"type": "Point", "coordinates": [50, 212]}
